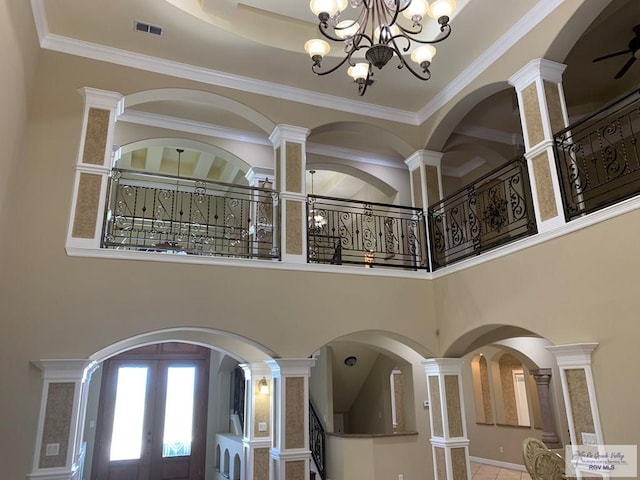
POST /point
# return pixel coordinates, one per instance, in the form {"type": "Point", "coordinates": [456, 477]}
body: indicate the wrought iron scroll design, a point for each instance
{"type": "Point", "coordinates": [492, 211]}
{"type": "Point", "coordinates": [317, 442]}
{"type": "Point", "coordinates": [598, 159]}
{"type": "Point", "coordinates": [342, 231]}
{"type": "Point", "coordinates": [155, 213]}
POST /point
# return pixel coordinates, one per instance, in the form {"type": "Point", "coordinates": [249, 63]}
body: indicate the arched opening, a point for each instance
{"type": "Point", "coordinates": [185, 390]}
{"type": "Point", "coordinates": [237, 467]}
{"type": "Point", "coordinates": [501, 394]}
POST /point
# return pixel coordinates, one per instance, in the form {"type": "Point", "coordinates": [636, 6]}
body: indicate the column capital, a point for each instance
{"type": "Point", "coordinates": [573, 355]}
{"type": "Point", "coordinates": [288, 133]}
{"type": "Point", "coordinates": [424, 157]}
{"type": "Point", "coordinates": [535, 69]}
{"type": "Point", "coordinates": [291, 366]}
{"type": "Point", "coordinates": [254, 370]}
{"type": "Point", "coordinates": [542, 376]}
{"type": "Point", "coordinates": [66, 369]}
{"type": "Point", "coordinates": [443, 366]}
{"type": "Point", "coordinates": [102, 98]}
{"type": "Point", "coordinates": [255, 174]}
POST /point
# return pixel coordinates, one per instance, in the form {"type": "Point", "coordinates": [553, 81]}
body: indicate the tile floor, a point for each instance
{"type": "Point", "coordinates": [488, 472]}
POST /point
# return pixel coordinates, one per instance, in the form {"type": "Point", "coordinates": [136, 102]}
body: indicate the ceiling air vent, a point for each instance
{"type": "Point", "coordinates": [146, 28]}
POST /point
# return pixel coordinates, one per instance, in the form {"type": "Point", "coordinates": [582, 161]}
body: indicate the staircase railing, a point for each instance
{"type": "Point", "coordinates": [494, 210]}
{"type": "Point", "coordinates": [598, 158]}
{"type": "Point", "coordinates": [317, 442]}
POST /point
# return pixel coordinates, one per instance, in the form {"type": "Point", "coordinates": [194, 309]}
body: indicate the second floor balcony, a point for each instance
{"type": "Point", "coordinates": [597, 162]}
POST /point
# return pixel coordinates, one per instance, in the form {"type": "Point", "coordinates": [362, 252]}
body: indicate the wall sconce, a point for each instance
{"type": "Point", "coordinates": [263, 386]}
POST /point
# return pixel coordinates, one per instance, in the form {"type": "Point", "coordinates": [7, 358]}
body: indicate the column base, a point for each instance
{"type": "Point", "coordinates": [451, 458]}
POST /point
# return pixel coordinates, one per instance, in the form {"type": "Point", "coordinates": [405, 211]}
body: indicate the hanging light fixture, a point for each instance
{"type": "Point", "coordinates": [378, 33]}
{"type": "Point", "coordinates": [263, 386]}
{"type": "Point", "coordinates": [316, 220]}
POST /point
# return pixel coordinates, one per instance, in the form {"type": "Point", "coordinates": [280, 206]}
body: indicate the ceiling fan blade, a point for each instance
{"type": "Point", "coordinates": [611, 55]}
{"type": "Point", "coordinates": [626, 67]}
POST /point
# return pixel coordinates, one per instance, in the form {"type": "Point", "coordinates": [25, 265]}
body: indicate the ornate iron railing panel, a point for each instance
{"type": "Point", "coordinates": [317, 442]}
{"type": "Point", "coordinates": [598, 158]}
{"type": "Point", "coordinates": [494, 210]}
{"type": "Point", "coordinates": [157, 213]}
{"type": "Point", "coordinates": [344, 231]}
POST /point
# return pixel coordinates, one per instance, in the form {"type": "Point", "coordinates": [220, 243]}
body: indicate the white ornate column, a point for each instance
{"type": "Point", "coordinates": [542, 113]}
{"type": "Point", "coordinates": [92, 168]}
{"type": "Point", "coordinates": [426, 185]}
{"type": "Point", "coordinates": [574, 362]}
{"type": "Point", "coordinates": [257, 429]}
{"type": "Point", "coordinates": [290, 453]}
{"type": "Point", "coordinates": [449, 442]}
{"type": "Point", "coordinates": [426, 178]}
{"type": "Point", "coordinates": [262, 211]}
{"type": "Point", "coordinates": [289, 144]}
{"type": "Point", "coordinates": [61, 419]}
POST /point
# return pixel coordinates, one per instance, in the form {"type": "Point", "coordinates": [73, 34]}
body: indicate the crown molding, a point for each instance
{"type": "Point", "coordinates": [528, 22]}
{"type": "Point", "coordinates": [148, 63]}
{"type": "Point", "coordinates": [40, 19]}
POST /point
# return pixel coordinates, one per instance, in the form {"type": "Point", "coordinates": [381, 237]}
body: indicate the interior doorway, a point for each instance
{"type": "Point", "coordinates": [152, 414]}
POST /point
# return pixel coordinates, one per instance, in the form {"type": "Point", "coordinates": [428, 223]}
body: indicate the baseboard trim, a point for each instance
{"type": "Point", "coordinates": [498, 463]}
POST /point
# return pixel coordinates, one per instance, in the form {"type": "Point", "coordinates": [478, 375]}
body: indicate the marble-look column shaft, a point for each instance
{"type": "Point", "coordinates": [542, 378]}
{"type": "Point", "coordinates": [290, 453]}
{"type": "Point", "coordinates": [449, 442]}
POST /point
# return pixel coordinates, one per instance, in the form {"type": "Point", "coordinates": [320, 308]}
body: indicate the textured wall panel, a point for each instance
{"type": "Point", "coordinates": [294, 167]}
{"type": "Point", "coordinates": [278, 172]}
{"type": "Point", "coordinates": [509, 363]}
{"type": "Point", "coordinates": [294, 470]}
{"type": "Point", "coordinates": [95, 142]}
{"type": "Point", "coordinates": [294, 423]}
{"type": "Point", "coordinates": [417, 188]}
{"type": "Point", "coordinates": [441, 463]}
{"type": "Point", "coordinates": [533, 118]}
{"type": "Point", "coordinates": [261, 464]}
{"type": "Point", "coordinates": [580, 404]}
{"type": "Point", "coordinates": [433, 185]}
{"type": "Point", "coordinates": [544, 187]}
{"type": "Point", "coordinates": [436, 406]}
{"type": "Point", "coordinates": [459, 464]}
{"type": "Point", "coordinates": [57, 423]}
{"type": "Point", "coordinates": [86, 214]}
{"type": "Point", "coordinates": [454, 411]}
{"type": "Point", "coordinates": [552, 95]}
{"type": "Point", "coordinates": [294, 227]}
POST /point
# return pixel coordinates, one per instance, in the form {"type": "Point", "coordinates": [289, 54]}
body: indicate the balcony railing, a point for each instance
{"type": "Point", "coordinates": [372, 234]}
{"type": "Point", "coordinates": [494, 210]}
{"type": "Point", "coordinates": [164, 213]}
{"type": "Point", "coordinates": [317, 442]}
{"type": "Point", "coordinates": [598, 158]}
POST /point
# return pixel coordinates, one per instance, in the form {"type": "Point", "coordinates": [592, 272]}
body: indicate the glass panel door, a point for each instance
{"type": "Point", "coordinates": [128, 418]}
{"type": "Point", "coordinates": [178, 418]}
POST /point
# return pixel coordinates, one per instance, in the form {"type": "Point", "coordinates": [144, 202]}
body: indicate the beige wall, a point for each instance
{"type": "Point", "coordinates": [371, 410]}
{"type": "Point", "coordinates": [55, 306]}
{"type": "Point", "coordinates": [581, 287]}
{"type": "Point", "coordinates": [19, 53]}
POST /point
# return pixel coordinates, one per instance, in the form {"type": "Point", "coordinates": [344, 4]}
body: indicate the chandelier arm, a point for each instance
{"type": "Point", "coordinates": [403, 63]}
{"type": "Point", "coordinates": [331, 70]}
{"type": "Point", "coordinates": [443, 28]}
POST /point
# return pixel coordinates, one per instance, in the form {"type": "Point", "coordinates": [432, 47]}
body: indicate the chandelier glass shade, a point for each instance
{"type": "Point", "coordinates": [377, 31]}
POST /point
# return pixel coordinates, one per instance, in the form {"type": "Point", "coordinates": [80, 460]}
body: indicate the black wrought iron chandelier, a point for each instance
{"type": "Point", "coordinates": [379, 32]}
